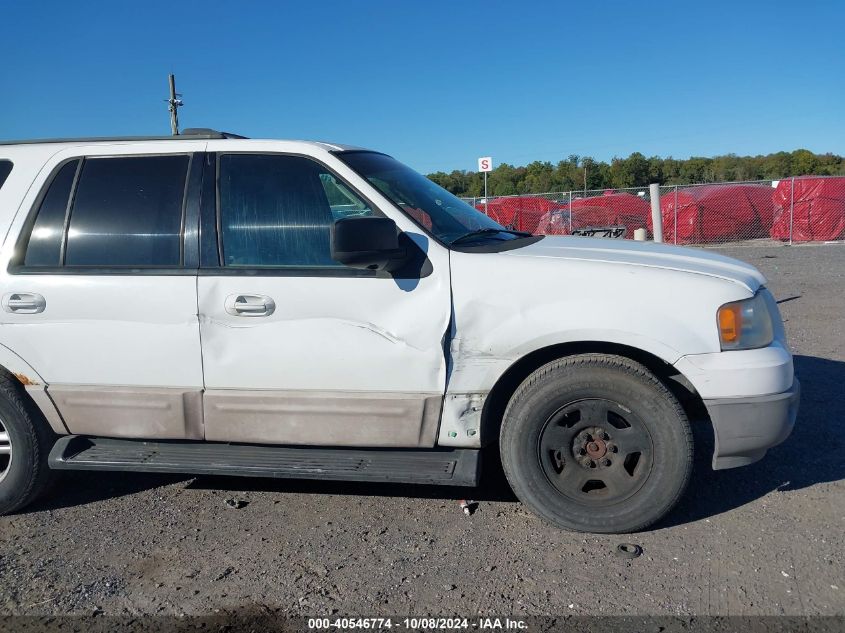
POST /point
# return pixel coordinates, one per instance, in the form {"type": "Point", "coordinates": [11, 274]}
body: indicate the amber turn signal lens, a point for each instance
{"type": "Point", "coordinates": [730, 322]}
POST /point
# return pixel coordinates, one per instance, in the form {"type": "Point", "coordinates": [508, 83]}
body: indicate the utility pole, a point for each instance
{"type": "Point", "coordinates": [172, 103]}
{"type": "Point", "coordinates": [585, 179]}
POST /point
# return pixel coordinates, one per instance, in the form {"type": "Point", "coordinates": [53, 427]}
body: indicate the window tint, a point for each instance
{"type": "Point", "coordinates": [5, 170]}
{"type": "Point", "coordinates": [128, 212]}
{"type": "Point", "coordinates": [45, 240]}
{"type": "Point", "coordinates": [278, 210]}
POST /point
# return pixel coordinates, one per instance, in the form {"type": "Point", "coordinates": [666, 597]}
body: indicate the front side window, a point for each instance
{"type": "Point", "coordinates": [449, 218]}
{"type": "Point", "coordinates": [127, 211]}
{"type": "Point", "coordinates": [277, 210]}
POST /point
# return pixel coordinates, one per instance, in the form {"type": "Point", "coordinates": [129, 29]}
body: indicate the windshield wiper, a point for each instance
{"type": "Point", "coordinates": [488, 231]}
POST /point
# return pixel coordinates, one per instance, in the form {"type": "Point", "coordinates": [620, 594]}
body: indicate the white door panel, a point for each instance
{"type": "Point", "coordinates": [326, 334]}
{"type": "Point", "coordinates": [298, 349]}
{"type": "Point", "coordinates": [109, 330]}
{"type": "Point", "coordinates": [97, 293]}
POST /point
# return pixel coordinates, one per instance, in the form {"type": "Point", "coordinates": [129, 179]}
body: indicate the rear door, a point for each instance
{"type": "Point", "coordinates": [298, 349]}
{"type": "Point", "coordinates": [99, 288]}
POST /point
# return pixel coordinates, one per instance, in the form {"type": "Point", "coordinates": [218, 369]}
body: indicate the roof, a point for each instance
{"type": "Point", "coordinates": [192, 134]}
{"type": "Point", "coordinates": [189, 134]}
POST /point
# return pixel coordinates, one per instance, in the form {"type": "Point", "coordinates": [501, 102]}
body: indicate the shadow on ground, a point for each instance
{"type": "Point", "coordinates": [811, 455]}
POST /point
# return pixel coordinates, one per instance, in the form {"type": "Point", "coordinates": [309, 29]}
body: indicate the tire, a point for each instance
{"type": "Point", "coordinates": [25, 441]}
{"type": "Point", "coordinates": [596, 443]}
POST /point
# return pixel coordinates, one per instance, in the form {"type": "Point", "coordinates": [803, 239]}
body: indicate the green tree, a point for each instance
{"type": "Point", "coordinates": [637, 171]}
{"type": "Point", "coordinates": [630, 172]}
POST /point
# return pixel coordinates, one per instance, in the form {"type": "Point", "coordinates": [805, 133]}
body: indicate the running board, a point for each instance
{"type": "Point", "coordinates": [452, 467]}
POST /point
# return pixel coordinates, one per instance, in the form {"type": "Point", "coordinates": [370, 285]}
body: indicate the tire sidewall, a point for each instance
{"type": "Point", "coordinates": [564, 383]}
{"type": "Point", "coordinates": [18, 480]}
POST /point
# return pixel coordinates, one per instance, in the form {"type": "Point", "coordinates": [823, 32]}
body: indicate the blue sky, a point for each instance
{"type": "Point", "coordinates": [437, 84]}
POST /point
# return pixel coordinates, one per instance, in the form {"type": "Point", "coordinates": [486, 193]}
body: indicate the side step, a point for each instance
{"type": "Point", "coordinates": [453, 467]}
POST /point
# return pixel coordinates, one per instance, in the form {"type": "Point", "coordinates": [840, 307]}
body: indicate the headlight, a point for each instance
{"type": "Point", "coordinates": [745, 324]}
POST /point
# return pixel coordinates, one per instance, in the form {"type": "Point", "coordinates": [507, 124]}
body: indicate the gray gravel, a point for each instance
{"type": "Point", "coordinates": [765, 539]}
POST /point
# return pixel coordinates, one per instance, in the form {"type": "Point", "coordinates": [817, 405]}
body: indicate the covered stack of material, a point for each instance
{"type": "Point", "coordinates": [818, 207]}
{"type": "Point", "coordinates": [610, 209]}
{"type": "Point", "coordinates": [717, 213]}
{"type": "Point", "coordinates": [518, 212]}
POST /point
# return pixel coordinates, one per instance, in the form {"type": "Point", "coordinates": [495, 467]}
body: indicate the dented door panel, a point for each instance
{"type": "Point", "coordinates": [305, 350]}
{"type": "Point", "coordinates": [335, 334]}
{"type": "Point", "coordinates": [326, 336]}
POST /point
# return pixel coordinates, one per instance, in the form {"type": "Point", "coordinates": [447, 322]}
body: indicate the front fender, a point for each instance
{"type": "Point", "coordinates": [507, 307]}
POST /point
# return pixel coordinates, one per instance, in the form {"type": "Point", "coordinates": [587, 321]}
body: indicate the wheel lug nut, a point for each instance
{"type": "Point", "coordinates": [605, 436]}
{"type": "Point", "coordinates": [605, 462]}
{"type": "Point", "coordinates": [581, 451]}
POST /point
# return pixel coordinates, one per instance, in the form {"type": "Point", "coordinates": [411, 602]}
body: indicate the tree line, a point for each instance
{"type": "Point", "coordinates": [582, 172]}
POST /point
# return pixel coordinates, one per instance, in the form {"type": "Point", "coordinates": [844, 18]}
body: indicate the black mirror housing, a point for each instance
{"type": "Point", "coordinates": [369, 242]}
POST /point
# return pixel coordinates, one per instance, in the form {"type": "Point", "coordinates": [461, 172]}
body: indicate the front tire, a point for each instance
{"type": "Point", "coordinates": [25, 441]}
{"type": "Point", "coordinates": [596, 443]}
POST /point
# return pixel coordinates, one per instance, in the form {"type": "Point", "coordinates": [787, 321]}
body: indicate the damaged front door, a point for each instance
{"type": "Point", "coordinates": [298, 349]}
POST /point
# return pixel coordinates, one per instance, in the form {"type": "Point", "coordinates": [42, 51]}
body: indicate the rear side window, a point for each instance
{"type": "Point", "coordinates": [111, 212]}
{"type": "Point", "coordinates": [5, 170]}
{"type": "Point", "coordinates": [128, 212]}
{"type": "Point", "coordinates": [45, 240]}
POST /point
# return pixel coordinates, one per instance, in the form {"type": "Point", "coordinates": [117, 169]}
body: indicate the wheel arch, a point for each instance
{"type": "Point", "coordinates": [32, 386]}
{"type": "Point", "coordinates": [505, 386]}
{"type": "Point", "coordinates": [18, 368]}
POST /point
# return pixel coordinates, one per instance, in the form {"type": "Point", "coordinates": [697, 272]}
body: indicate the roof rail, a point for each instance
{"type": "Point", "coordinates": [208, 132]}
{"type": "Point", "coordinates": [191, 133]}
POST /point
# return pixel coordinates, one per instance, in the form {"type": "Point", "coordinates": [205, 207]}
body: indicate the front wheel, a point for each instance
{"type": "Point", "coordinates": [596, 443]}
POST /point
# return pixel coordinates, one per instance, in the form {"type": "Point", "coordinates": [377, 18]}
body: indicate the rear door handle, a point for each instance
{"type": "Point", "coordinates": [249, 305]}
{"type": "Point", "coordinates": [23, 302]}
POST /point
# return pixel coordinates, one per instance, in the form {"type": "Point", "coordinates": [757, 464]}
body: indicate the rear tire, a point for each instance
{"type": "Point", "coordinates": [25, 442]}
{"type": "Point", "coordinates": [596, 443]}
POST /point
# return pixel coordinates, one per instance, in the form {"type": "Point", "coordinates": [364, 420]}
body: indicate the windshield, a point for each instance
{"type": "Point", "coordinates": [449, 218]}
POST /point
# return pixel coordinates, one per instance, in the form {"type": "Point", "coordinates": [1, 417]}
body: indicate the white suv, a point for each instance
{"type": "Point", "coordinates": [214, 304]}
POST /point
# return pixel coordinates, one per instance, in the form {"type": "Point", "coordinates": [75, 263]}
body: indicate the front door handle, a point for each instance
{"type": "Point", "coordinates": [23, 302]}
{"type": "Point", "coordinates": [250, 305]}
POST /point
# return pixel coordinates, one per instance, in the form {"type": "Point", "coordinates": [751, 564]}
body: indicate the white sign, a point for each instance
{"type": "Point", "coordinates": [485, 164]}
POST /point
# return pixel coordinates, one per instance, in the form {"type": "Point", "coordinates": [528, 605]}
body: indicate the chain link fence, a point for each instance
{"type": "Point", "coordinates": [797, 209]}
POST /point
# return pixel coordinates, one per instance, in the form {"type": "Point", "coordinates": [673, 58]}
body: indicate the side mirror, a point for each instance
{"type": "Point", "coordinates": [367, 242]}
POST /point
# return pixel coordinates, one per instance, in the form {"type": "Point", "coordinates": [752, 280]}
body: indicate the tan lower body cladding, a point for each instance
{"type": "Point", "coordinates": [322, 419]}
{"type": "Point", "coordinates": [143, 412]}
{"type": "Point", "coordinates": [261, 417]}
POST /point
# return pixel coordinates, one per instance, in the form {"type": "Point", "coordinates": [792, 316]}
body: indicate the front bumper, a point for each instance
{"type": "Point", "coordinates": [745, 428]}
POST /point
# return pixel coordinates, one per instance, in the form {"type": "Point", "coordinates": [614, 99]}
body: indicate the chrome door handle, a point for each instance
{"type": "Point", "coordinates": [249, 305]}
{"type": "Point", "coordinates": [23, 302]}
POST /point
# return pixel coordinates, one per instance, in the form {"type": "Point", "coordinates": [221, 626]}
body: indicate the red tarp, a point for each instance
{"type": "Point", "coordinates": [716, 213]}
{"type": "Point", "coordinates": [819, 209]}
{"type": "Point", "coordinates": [610, 209]}
{"type": "Point", "coordinates": [518, 212]}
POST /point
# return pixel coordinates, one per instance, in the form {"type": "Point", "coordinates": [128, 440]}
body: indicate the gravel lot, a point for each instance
{"type": "Point", "coordinates": [765, 539]}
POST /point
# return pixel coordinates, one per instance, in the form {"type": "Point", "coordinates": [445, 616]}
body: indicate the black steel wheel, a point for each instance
{"type": "Point", "coordinates": [595, 451]}
{"type": "Point", "coordinates": [596, 443]}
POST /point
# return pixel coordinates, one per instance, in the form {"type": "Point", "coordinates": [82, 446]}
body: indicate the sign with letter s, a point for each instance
{"type": "Point", "coordinates": [485, 163]}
